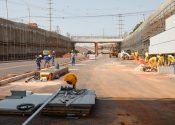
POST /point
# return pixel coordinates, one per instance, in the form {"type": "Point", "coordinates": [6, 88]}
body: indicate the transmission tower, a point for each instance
{"type": "Point", "coordinates": [50, 14]}
{"type": "Point", "coordinates": [120, 25]}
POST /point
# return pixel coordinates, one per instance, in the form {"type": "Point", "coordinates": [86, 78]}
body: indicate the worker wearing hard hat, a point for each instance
{"type": "Point", "coordinates": [53, 58]}
{"type": "Point", "coordinates": [146, 57]}
{"type": "Point", "coordinates": [38, 62]}
{"type": "Point", "coordinates": [73, 57]}
{"type": "Point", "coordinates": [171, 60]}
{"type": "Point", "coordinates": [153, 62]}
{"type": "Point", "coordinates": [71, 79]}
{"type": "Point", "coordinates": [136, 55]}
{"type": "Point", "coordinates": [160, 60]}
{"type": "Point", "coordinates": [47, 61]}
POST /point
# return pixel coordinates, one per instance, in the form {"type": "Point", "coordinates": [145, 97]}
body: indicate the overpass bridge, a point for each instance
{"type": "Point", "coordinates": [96, 40]}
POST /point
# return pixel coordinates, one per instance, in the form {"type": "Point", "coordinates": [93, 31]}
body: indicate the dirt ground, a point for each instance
{"type": "Point", "coordinates": [125, 96]}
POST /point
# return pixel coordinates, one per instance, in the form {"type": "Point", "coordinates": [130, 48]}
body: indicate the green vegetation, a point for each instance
{"type": "Point", "coordinates": [136, 27]}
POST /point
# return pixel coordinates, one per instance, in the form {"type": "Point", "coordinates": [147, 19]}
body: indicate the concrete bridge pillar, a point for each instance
{"type": "Point", "coordinates": [96, 49]}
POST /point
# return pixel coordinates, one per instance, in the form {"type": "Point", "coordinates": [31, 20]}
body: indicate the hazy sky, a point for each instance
{"type": "Point", "coordinates": [80, 26]}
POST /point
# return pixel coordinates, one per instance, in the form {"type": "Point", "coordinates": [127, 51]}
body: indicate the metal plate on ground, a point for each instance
{"type": "Point", "coordinates": [87, 99]}
{"type": "Point", "coordinates": [70, 103]}
{"type": "Point", "coordinates": [9, 106]}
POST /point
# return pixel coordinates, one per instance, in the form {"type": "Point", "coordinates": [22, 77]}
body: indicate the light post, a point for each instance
{"type": "Point", "coordinates": [28, 9]}
{"type": "Point", "coordinates": [7, 8]}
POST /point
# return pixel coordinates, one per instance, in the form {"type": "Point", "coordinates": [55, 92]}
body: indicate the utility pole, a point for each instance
{"type": "Point", "coordinates": [120, 25]}
{"type": "Point", "coordinates": [58, 29]}
{"type": "Point", "coordinates": [50, 14]}
{"type": "Point", "coordinates": [103, 32]}
{"type": "Point", "coordinates": [143, 17]}
{"type": "Point", "coordinates": [29, 13]}
{"type": "Point", "coordinates": [7, 9]}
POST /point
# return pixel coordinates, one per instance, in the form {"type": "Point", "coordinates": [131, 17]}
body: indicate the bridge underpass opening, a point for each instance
{"type": "Point", "coordinates": [96, 46]}
{"type": "Point", "coordinates": [96, 40]}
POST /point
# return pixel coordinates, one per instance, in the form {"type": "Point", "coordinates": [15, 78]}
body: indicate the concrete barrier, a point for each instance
{"type": "Point", "coordinates": [166, 69]}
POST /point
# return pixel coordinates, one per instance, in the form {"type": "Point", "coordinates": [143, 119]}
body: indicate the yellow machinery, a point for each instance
{"type": "Point", "coordinates": [71, 79]}
{"type": "Point", "coordinates": [160, 60]}
{"type": "Point", "coordinates": [153, 62]}
{"type": "Point", "coordinates": [171, 59]}
{"type": "Point", "coordinates": [136, 55]}
{"type": "Point", "coordinates": [146, 57]}
{"type": "Point", "coordinates": [113, 52]}
{"type": "Point", "coordinates": [152, 65]}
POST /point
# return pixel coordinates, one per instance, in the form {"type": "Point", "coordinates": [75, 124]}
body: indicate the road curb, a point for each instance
{"type": "Point", "coordinates": [22, 76]}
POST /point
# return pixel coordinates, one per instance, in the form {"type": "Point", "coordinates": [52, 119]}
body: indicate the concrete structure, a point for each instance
{"type": "Point", "coordinates": [139, 40]}
{"type": "Point", "coordinates": [22, 41]}
{"type": "Point", "coordinates": [165, 41]}
{"type": "Point", "coordinates": [96, 40]}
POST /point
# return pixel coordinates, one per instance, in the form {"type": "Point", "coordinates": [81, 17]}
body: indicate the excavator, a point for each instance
{"type": "Point", "coordinates": [113, 52]}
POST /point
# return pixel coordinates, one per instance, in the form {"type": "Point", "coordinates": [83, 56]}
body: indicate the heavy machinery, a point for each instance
{"type": "Point", "coordinates": [113, 52]}
{"type": "Point", "coordinates": [126, 56]}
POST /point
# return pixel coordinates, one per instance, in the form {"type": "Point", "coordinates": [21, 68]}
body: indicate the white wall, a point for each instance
{"type": "Point", "coordinates": [164, 42]}
{"type": "Point", "coordinates": [170, 22]}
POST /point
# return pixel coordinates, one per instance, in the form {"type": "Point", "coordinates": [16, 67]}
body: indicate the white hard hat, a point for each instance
{"type": "Point", "coordinates": [49, 56]}
{"type": "Point", "coordinates": [40, 55]}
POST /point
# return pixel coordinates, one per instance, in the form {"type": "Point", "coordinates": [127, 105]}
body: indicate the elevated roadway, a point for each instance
{"type": "Point", "coordinates": [96, 40]}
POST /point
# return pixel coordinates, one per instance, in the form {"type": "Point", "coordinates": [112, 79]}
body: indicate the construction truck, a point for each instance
{"type": "Point", "coordinates": [113, 52]}
{"type": "Point", "coordinates": [126, 55]}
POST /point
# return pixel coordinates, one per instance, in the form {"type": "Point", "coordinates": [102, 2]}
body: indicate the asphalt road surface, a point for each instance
{"type": "Point", "coordinates": [19, 67]}
{"type": "Point", "coordinates": [125, 96]}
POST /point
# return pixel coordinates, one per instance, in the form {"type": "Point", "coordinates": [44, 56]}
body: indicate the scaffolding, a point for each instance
{"type": "Point", "coordinates": [21, 41]}
{"type": "Point", "coordinates": [153, 25]}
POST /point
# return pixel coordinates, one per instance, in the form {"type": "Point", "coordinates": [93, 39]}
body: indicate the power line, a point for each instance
{"type": "Point", "coordinates": [94, 16]}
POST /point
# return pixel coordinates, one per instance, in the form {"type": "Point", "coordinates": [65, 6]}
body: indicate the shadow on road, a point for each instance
{"type": "Point", "coordinates": [113, 111]}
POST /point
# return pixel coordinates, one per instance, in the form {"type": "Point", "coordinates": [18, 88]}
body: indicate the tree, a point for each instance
{"type": "Point", "coordinates": [137, 26]}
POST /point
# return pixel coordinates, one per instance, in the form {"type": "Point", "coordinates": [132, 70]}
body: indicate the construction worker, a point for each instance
{"type": "Point", "coordinates": [146, 57]}
{"type": "Point", "coordinates": [136, 55]}
{"type": "Point", "coordinates": [171, 60]}
{"type": "Point", "coordinates": [38, 62]}
{"type": "Point", "coordinates": [53, 58]}
{"type": "Point", "coordinates": [72, 57]}
{"type": "Point", "coordinates": [160, 60]}
{"type": "Point", "coordinates": [47, 61]}
{"type": "Point", "coordinates": [71, 79]}
{"type": "Point", "coordinates": [153, 63]}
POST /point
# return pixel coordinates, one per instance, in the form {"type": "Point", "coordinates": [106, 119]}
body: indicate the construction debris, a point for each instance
{"type": "Point", "coordinates": [53, 73]}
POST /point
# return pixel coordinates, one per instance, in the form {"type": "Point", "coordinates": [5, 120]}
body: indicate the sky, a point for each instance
{"type": "Point", "coordinates": [18, 10]}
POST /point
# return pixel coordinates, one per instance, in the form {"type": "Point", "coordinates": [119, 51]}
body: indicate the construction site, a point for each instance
{"type": "Point", "coordinates": [49, 78]}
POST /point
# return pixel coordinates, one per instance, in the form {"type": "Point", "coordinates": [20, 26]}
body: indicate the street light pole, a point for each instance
{"type": "Point", "coordinates": [28, 8]}
{"type": "Point", "coordinates": [7, 8]}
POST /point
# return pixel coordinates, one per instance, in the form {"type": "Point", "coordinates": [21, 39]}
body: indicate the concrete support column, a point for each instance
{"type": "Point", "coordinates": [96, 49]}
